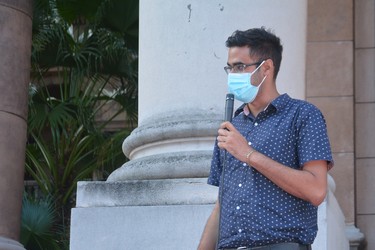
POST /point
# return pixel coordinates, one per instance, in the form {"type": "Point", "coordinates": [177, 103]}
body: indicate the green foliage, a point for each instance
{"type": "Point", "coordinates": [84, 66]}
{"type": "Point", "coordinates": [38, 230]}
{"type": "Point", "coordinates": [59, 166]}
{"type": "Point", "coordinates": [97, 36]}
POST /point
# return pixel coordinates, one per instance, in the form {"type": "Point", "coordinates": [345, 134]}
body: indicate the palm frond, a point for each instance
{"type": "Point", "coordinates": [84, 62]}
{"type": "Point", "coordinates": [37, 227]}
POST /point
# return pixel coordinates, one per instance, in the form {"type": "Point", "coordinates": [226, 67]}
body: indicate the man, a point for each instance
{"type": "Point", "coordinates": [278, 155]}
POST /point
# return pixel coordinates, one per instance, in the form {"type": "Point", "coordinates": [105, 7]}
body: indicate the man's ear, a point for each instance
{"type": "Point", "coordinates": [268, 67]}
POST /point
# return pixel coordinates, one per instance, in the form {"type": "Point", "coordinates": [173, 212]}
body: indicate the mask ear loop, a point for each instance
{"type": "Point", "coordinates": [260, 65]}
{"type": "Point", "coordinates": [264, 78]}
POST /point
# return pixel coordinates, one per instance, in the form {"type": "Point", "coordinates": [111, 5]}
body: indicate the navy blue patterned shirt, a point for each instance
{"type": "Point", "coordinates": [255, 211]}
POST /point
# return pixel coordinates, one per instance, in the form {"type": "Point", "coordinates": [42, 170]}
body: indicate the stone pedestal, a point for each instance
{"type": "Point", "coordinates": [152, 214]}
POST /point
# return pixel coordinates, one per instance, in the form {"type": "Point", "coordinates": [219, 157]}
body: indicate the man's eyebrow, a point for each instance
{"type": "Point", "coordinates": [234, 64]}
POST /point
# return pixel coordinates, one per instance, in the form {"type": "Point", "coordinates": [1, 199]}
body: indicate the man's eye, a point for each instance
{"type": "Point", "coordinates": [240, 67]}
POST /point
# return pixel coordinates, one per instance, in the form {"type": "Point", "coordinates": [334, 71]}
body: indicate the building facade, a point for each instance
{"type": "Point", "coordinates": [340, 80]}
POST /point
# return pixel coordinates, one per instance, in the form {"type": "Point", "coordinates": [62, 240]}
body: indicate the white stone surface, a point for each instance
{"type": "Point", "coordinates": [145, 193]}
{"type": "Point", "coordinates": [152, 214]}
{"type": "Point", "coordinates": [182, 50]}
{"type": "Point", "coordinates": [138, 227]}
{"type": "Point", "coordinates": [9, 244]}
{"type": "Point", "coordinates": [331, 223]}
{"type": "Point", "coordinates": [185, 164]}
{"type": "Point", "coordinates": [187, 130]}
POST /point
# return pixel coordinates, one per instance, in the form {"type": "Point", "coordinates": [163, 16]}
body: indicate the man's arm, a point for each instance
{"type": "Point", "coordinates": [309, 184]}
{"type": "Point", "coordinates": [210, 232]}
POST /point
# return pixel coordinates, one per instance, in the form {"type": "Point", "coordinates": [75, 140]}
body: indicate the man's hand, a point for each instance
{"type": "Point", "coordinates": [233, 142]}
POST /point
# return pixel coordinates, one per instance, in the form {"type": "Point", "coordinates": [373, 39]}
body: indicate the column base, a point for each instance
{"type": "Point", "coordinates": [355, 236]}
{"type": "Point", "coordinates": [9, 244]}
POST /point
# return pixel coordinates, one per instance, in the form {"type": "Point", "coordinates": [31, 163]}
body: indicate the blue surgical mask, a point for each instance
{"type": "Point", "coordinates": [239, 84]}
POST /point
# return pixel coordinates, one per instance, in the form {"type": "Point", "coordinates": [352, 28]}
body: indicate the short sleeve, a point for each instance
{"type": "Point", "coordinates": [216, 167]}
{"type": "Point", "coordinates": [313, 141]}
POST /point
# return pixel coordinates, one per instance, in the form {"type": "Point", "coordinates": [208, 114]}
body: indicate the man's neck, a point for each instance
{"type": "Point", "coordinates": [261, 102]}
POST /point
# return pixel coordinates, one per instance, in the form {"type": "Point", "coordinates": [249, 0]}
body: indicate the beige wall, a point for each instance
{"type": "Point", "coordinates": [364, 54]}
{"type": "Point", "coordinates": [340, 80]}
{"type": "Point", "coordinates": [329, 85]}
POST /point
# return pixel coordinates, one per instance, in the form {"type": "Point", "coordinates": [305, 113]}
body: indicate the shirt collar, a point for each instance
{"type": "Point", "coordinates": [278, 103]}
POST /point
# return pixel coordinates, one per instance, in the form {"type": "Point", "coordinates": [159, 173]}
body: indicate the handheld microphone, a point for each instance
{"type": "Point", "coordinates": [229, 102]}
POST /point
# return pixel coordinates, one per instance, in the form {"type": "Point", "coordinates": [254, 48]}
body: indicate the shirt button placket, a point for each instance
{"type": "Point", "coordinates": [238, 207]}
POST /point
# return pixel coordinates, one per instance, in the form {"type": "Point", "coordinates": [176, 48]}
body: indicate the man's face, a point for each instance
{"type": "Point", "coordinates": [239, 60]}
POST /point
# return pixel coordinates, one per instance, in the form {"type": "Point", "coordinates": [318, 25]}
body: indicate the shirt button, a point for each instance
{"type": "Point", "coordinates": [238, 207]}
{"type": "Point", "coordinates": [240, 185]}
{"type": "Point", "coordinates": [255, 124]}
{"type": "Point", "coordinates": [249, 143]}
{"type": "Point", "coordinates": [239, 230]}
{"type": "Point", "coordinates": [244, 164]}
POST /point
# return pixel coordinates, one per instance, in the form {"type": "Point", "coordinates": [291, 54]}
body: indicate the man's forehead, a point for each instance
{"type": "Point", "coordinates": [238, 55]}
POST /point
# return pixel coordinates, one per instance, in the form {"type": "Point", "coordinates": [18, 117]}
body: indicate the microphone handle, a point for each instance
{"type": "Point", "coordinates": [229, 102]}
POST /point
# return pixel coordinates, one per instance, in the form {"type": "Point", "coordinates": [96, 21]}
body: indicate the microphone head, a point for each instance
{"type": "Point", "coordinates": [230, 96]}
{"type": "Point", "coordinates": [229, 107]}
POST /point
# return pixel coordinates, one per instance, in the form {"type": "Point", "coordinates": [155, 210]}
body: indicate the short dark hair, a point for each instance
{"type": "Point", "coordinates": [262, 43]}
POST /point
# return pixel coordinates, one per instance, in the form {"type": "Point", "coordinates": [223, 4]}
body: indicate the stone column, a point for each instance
{"type": "Point", "coordinates": [15, 49]}
{"type": "Point", "coordinates": [182, 84]}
